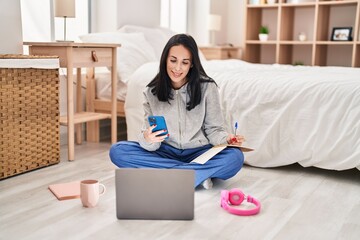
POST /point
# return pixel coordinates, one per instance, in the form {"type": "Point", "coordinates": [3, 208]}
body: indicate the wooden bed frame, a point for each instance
{"type": "Point", "coordinates": [96, 105]}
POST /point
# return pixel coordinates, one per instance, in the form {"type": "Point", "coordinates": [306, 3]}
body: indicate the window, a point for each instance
{"type": "Point", "coordinates": [174, 15]}
{"type": "Point", "coordinates": [38, 23]}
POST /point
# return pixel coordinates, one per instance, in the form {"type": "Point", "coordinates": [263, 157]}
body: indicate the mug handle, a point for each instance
{"type": "Point", "coordinates": [104, 189]}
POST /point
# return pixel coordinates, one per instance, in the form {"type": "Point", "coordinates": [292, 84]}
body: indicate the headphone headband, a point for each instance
{"type": "Point", "coordinates": [236, 197]}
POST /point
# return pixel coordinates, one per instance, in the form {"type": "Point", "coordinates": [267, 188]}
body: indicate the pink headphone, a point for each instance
{"type": "Point", "coordinates": [236, 197]}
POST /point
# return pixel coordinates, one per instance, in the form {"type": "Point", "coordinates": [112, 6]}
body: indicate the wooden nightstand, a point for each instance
{"type": "Point", "coordinates": [81, 55]}
{"type": "Point", "coordinates": [221, 52]}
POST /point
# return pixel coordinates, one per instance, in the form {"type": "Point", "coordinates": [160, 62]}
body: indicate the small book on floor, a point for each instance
{"type": "Point", "coordinates": [206, 156]}
{"type": "Point", "coordinates": [65, 191]}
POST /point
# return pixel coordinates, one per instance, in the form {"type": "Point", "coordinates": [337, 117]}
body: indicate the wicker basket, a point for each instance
{"type": "Point", "coordinates": [29, 117]}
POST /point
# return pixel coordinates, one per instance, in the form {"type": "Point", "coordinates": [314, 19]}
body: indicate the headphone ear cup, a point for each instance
{"type": "Point", "coordinates": [236, 197]}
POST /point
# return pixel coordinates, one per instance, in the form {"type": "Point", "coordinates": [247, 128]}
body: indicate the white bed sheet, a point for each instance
{"type": "Point", "coordinates": [309, 115]}
{"type": "Point", "coordinates": [103, 86]}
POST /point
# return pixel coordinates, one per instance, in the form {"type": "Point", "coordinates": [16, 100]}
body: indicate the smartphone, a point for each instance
{"type": "Point", "coordinates": [160, 123]}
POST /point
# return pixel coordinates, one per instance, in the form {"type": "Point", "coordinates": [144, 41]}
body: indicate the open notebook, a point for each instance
{"type": "Point", "coordinates": [206, 156]}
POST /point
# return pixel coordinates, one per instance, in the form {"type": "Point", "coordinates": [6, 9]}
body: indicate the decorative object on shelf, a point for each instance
{"type": "Point", "coordinates": [271, 1]}
{"type": "Point", "coordinates": [263, 33]}
{"type": "Point", "coordinates": [255, 2]}
{"type": "Point", "coordinates": [298, 63]}
{"type": "Point", "coordinates": [302, 36]}
{"type": "Point", "coordinates": [214, 25]}
{"type": "Point", "coordinates": [65, 9]}
{"type": "Point", "coordinates": [341, 34]}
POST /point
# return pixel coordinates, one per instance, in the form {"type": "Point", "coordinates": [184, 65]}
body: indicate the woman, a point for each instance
{"type": "Point", "coordinates": [189, 101]}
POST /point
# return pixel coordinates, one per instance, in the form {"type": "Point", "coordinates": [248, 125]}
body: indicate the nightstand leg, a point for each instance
{"type": "Point", "coordinates": [70, 104]}
{"type": "Point", "coordinates": [113, 98]}
{"type": "Point", "coordinates": [93, 127]}
{"type": "Point", "coordinates": [78, 126]}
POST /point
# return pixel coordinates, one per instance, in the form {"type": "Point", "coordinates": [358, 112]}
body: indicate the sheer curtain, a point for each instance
{"type": "Point", "coordinates": [10, 27]}
{"type": "Point", "coordinates": [174, 15]}
{"type": "Point", "coordinates": [36, 21]}
{"type": "Point", "coordinates": [39, 24]}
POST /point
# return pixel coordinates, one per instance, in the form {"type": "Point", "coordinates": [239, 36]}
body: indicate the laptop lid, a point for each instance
{"type": "Point", "coordinates": [144, 193]}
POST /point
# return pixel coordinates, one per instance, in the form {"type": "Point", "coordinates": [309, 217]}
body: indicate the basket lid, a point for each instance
{"type": "Point", "coordinates": [28, 61]}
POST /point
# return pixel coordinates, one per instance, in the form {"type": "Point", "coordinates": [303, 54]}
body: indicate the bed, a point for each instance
{"type": "Point", "coordinates": [288, 114]}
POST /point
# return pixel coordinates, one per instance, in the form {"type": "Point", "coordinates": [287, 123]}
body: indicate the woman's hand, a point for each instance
{"type": "Point", "coordinates": [235, 139]}
{"type": "Point", "coordinates": [151, 137]}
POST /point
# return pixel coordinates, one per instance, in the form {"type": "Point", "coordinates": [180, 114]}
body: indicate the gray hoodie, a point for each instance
{"type": "Point", "coordinates": [200, 126]}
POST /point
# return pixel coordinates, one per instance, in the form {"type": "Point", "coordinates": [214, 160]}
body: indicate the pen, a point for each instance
{"type": "Point", "coordinates": [233, 140]}
{"type": "Point", "coordinates": [236, 126]}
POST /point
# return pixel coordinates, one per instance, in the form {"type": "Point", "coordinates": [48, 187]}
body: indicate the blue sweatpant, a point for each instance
{"type": "Point", "coordinates": [224, 165]}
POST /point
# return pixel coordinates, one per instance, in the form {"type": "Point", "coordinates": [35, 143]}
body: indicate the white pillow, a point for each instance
{"type": "Point", "coordinates": [134, 50]}
{"type": "Point", "coordinates": [157, 36]}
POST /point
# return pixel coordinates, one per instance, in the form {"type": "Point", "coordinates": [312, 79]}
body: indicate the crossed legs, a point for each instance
{"type": "Point", "coordinates": [224, 165]}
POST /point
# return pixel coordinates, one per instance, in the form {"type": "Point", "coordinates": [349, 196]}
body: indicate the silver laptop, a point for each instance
{"type": "Point", "coordinates": [146, 193]}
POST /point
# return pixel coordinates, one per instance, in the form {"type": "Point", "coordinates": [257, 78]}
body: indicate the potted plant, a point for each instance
{"type": "Point", "coordinates": [263, 33]}
{"type": "Point", "coordinates": [298, 63]}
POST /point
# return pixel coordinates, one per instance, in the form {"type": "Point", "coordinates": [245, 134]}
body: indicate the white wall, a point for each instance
{"type": "Point", "coordinates": [103, 15]}
{"type": "Point", "coordinates": [139, 12]}
{"type": "Point", "coordinates": [10, 27]}
{"type": "Point", "coordinates": [235, 22]}
{"type": "Point", "coordinates": [220, 8]}
{"type": "Point", "coordinates": [232, 24]}
{"type": "Point", "coordinates": [109, 15]}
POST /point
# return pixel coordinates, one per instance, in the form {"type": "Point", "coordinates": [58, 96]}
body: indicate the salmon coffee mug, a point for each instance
{"type": "Point", "coordinates": [90, 192]}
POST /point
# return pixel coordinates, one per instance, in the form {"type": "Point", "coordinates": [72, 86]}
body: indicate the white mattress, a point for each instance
{"type": "Point", "coordinates": [309, 115]}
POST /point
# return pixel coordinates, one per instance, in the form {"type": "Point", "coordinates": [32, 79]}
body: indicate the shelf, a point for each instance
{"type": "Point", "coordinates": [293, 22]}
{"type": "Point", "coordinates": [297, 42]}
{"type": "Point", "coordinates": [344, 2]}
{"type": "Point", "coordinates": [85, 117]}
{"type": "Point", "coordinates": [316, 20]}
{"type": "Point", "coordinates": [334, 42]}
{"type": "Point", "coordinates": [269, 42]}
{"type": "Point", "coordinates": [304, 4]}
{"type": "Point", "coordinates": [275, 5]}
{"type": "Point", "coordinates": [105, 106]}
{"type": "Point", "coordinates": [260, 16]}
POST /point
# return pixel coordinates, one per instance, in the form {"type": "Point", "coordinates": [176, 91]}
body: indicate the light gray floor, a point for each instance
{"type": "Point", "coordinates": [297, 203]}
